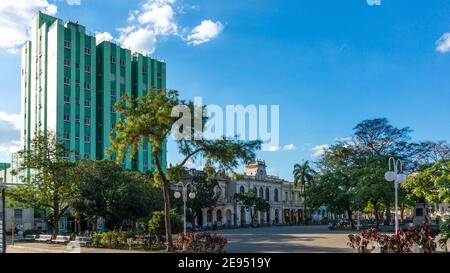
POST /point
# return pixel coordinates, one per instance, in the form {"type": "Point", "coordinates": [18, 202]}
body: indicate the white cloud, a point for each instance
{"type": "Point", "coordinates": [288, 147]}
{"type": "Point", "coordinates": [141, 40]}
{"type": "Point", "coordinates": [10, 147]}
{"type": "Point", "coordinates": [73, 2]}
{"type": "Point", "coordinates": [319, 150]}
{"type": "Point", "coordinates": [155, 18]}
{"type": "Point", "coordinates": [13, 119]}
{"type": "Point", "coordinates": [159, 16]}
{"type": "Point", "coordinates": [103, 36]}
{"type": "Point", "coordinates": [443, 44]}
{"type": "Point", "coordinates": [205, 32]}
{"type": "Point", "coordinates": [15, 21]}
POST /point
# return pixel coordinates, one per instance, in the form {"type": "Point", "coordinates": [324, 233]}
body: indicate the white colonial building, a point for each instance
{"type": "Point", "coordinates": [286, 203]}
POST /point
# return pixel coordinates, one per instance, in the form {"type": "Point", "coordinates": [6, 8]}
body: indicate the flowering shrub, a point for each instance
{"type": "Point", "coordinates": [201, 242]}
{"type": "Point", "coordinates": [113, 239]}
{"type": "Point", "coordinates": [409, 241]}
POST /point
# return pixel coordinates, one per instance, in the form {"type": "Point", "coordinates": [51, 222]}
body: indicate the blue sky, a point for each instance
{"type": "Point", "coordinates": [328, 64]}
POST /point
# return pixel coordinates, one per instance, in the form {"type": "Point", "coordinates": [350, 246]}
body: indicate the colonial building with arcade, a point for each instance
{"type": "Point", "coordinates": [286, 201]}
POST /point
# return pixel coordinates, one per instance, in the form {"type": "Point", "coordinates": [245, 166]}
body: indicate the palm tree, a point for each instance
{"type": "Point", "coordinates": [303, 176]}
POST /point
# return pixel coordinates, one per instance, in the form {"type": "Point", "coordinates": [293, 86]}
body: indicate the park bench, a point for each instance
{"type": "Point", "coordinates": [44, 238]}
{"type": "Point", "coordinates": [29, 238]}
{"type": "Point", "coordinates": [61, 239]}
{"type": "Point", "coordinates": [82, 241]}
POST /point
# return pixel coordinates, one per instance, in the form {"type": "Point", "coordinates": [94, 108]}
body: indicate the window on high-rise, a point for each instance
{"type": "Point", "coordinates": [122, 62]}
{"type": "Point", "coordinates": [158, 75]}
{"type": "Point", "coordinates": [113, 92]}
{"type": "Point", "coordinates": [66, 136]}
{"type": "Point", "coordinates": [66, 117]}
{"type": "Point", "coordinates": [66, 81]}
{"type": "Point", "coordinates": [67, 62]}
{"type": "Point", "coordinates": [87, 121]}
{"type": "Point", "coordinates": [87, 139]}
{"type": "Point", "coordinates": [66, 44]}
{"type": "Point", "coordinates": [113, 59]}
{"type": "Point", "coordinates": [113, 77]}
{"type": "Point", "coordinates": [77, 65]}
{"type": "Point", "coordinates": [67, 99]}
{"type": "Point", "coordinates": [87, 51]}
{"type": "Point", "coordinates": [87, 68]}
{"type": "Point", "coordinates": [122, 80]}
{"type": "Point", "coordinates": [77, 83]}
{"type": "Point", "coordinates": [87, 86]}
{"type": "Point", "coordinates": [144, 70]}
{"type": "Point", "coordinates": [144, 86]}
{"type": "Point", "coordinates": [87, 103]}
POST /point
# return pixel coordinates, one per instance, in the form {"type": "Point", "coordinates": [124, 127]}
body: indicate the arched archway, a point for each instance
{"type": "Point", "coordinates": [242, 189]}
{"type": "Point", "coordinates": [267, 194]}
{"type": "Point", "coordinates": [261, 192]}
{"type": "Point", "coordinates": [275, 195]}
{"type": "Point", "coordinates": [219, 216]}
{"type": "Point", "coordinates": [277, 215]}
{"type": "Point", "coordinates": [229, 216]}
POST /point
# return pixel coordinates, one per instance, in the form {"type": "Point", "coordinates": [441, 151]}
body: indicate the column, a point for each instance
{"type": "Point", "coordinates": [232, 217]}
{"type": "Point", "coordinates": [238, 215]}
{"type": "Point", "coordinates": [248, 219]}
{"type": "Point", "coordinates": [205, 217]}
{"type": "Point", "coordinates": [214, 217]}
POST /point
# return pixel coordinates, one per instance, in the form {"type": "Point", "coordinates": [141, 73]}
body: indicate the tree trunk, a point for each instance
{"type": "Point", "coordinates": [350, 217]}
{"type": "Point", "coordinates": [166, 203]}
{"type": "Point", "coordinates": [388, 214]}
{"type": "Point", "coordinates": [167, 217]}
{"type": "Point", "coordinates": [304, 204]}
{"type": "Point", "coordinates": [56, 216]}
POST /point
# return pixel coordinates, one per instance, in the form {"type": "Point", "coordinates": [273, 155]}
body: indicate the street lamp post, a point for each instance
{"type": "Point", "coordinates": [397, 176]}
{"type": "Point", "coordinates": [184, 194]}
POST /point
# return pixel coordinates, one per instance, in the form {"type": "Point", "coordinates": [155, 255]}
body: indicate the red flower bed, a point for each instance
{"type": "Point", "coordinates": [409, 241]}
{"type": "Point", "coordinates": [201, 242]}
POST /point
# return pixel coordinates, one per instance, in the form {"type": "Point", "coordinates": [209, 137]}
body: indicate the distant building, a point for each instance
{"type": "Point", "coordinates": [286, 203]}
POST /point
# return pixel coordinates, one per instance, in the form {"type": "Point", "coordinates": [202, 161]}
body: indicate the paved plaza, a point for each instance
{"type": "Point", "coordinates": [281, 239]}
{"type": "Point", "coordinates": [285, 239]}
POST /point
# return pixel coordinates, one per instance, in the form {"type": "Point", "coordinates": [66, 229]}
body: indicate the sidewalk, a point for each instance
{"type": "Point", "coordinates": [32, 247]}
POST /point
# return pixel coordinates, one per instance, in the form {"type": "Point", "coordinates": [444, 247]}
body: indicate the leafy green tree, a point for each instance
{"type": "Point", "coordinates": [252, 202]}
{"type": "Point", "coordinates": [149, 118]}
{"type": "Point", "coordinates": [157, 222]}
{"type": "Point", "coordinates": [105, 190]}
{"type": "Point", "coordinates": [49, 176]}
{"type": "Point", "coordinates": [304, 177]}
{"type": "Point", "coordinates": [205, 193]}
{"type": "Point", "coordinates": [431, 184]}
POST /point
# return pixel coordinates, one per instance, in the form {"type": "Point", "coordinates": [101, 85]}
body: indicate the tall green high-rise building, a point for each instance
{"type": "Point", "coordinates": [70, 84]}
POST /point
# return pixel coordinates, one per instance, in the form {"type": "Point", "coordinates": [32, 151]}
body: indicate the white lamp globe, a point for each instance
{"type": "Point", "coordinates": [192, 195]}
{"type": "Point", "coordinates": [390, 176]}
{"type": "Point", "coordinates": [177, 194]}
{"type": "Point", "coordinates": [401, 178]}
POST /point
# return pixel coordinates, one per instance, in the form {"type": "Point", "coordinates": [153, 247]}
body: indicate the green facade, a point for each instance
{"type": "Point", "coordinates": [75, 83]}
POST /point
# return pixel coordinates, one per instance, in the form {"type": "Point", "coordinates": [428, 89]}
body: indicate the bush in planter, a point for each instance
{"type": "Point", "coordinates": [402, 242]}
{"type": "Point", "coordinates": [113, 239]}
{"type": "Point", "coordinates": [201, 242]}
